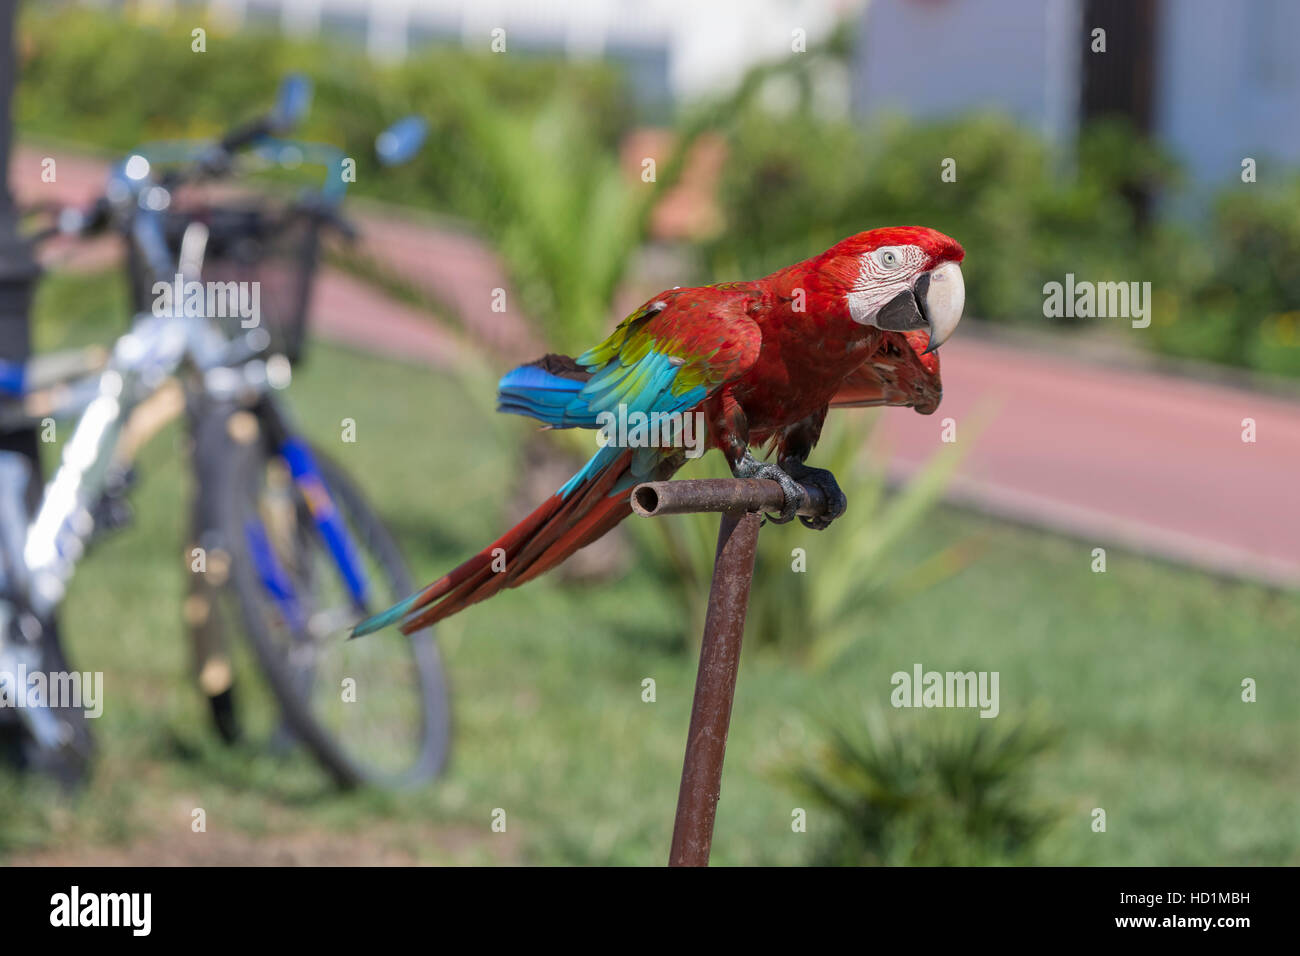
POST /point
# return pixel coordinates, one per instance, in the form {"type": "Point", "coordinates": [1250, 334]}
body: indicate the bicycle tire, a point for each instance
{"type": "Point", "coordinates": [70, 762]}
{"type": "Point", "coordinates": [238, 490]}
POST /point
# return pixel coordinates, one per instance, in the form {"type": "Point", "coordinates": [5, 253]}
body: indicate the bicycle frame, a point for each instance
{"type": "Point", "coordinates": [149, 354]}
{"type": "Point", "coordinates": [297, 454]}
{"type": "Point", "coordinates": [307, 477]}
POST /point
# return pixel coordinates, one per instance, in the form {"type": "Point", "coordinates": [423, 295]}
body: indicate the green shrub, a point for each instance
{"type": "Point", "coordinates": [952, 791]}
{"type": "Point", "coordinates": [110, 81]}
{"type": "Point", "coordinates": [798, 183]}
{"type": "Point", "coordinates": [1242, 305]}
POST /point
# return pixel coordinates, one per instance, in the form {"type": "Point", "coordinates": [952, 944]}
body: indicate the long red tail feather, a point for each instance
{"type": "Point", "coordinates": [554, 531]}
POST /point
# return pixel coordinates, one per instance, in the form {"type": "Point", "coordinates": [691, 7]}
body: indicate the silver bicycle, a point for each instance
{"type": "Point", "coordinates": [287, 537]}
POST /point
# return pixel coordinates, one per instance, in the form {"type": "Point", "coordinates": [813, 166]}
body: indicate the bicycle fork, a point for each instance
{"type": "Point", "coordinates": [305, 474]}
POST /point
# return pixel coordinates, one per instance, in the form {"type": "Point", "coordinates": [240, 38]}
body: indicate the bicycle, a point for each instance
{"type": "Point", "coordinates": [281, 529]}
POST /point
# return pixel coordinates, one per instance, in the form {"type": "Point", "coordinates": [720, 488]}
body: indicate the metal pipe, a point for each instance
{"type": "Point", "coordinates": [654, 498]}
{"type": "Point", "coordinates": [715, 689]}
{"type": "Point", "coordinates": [739, 501]}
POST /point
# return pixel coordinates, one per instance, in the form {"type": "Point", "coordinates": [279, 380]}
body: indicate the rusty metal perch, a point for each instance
{"type": "Point", "coordinates": [740, 502]}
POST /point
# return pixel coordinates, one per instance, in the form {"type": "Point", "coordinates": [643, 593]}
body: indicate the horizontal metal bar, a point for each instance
{"type": "Point", "coordinates": [654, 498]}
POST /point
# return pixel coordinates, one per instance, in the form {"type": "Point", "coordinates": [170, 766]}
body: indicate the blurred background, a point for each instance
{"type": "Point", "coordinates": [581, 157]}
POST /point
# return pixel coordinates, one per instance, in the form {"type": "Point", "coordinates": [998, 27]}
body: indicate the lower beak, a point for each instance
{"type": "Point", "coordinates": [933, 304]}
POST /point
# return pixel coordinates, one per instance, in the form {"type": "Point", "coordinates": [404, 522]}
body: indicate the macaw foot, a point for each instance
{"type": "Point", "coordinates": [824, 481]}
{"type": "Point", "coordinates": [751, 467]}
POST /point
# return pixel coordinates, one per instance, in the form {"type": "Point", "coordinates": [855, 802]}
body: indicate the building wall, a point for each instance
{"type": "Point", "coordinates": [1228, 84]}
{"type": "Point", "coordinates": [1227, 81]}
{"type": "Point", "coordinates": [933, 58]}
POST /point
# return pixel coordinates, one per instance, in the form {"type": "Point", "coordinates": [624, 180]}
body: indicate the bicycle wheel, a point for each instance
{"type": "Point", "coordinates": [68, 750]}
{"type": "Point", "coordinates": [371, 713]}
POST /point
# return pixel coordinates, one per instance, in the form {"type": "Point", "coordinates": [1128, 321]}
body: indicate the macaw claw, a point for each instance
{"type": "Point", "coordinates": [824, 481]}
{"type": "Point", "coordinates": [751, 467]}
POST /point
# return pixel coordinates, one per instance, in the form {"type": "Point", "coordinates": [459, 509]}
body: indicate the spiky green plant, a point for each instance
{"type": "Point", "coordinates": [942, 790]}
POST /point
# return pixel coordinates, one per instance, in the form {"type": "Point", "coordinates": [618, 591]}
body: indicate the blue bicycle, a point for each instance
{"type": "Point", "coordinates": [285, 545]}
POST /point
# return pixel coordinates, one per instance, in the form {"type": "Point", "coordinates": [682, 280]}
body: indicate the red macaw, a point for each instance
{"type": "Point", "coordinates": [760, 361]}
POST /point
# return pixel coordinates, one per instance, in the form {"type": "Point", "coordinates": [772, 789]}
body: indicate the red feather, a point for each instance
{"type": "Point", "coordinates": [558, 528]}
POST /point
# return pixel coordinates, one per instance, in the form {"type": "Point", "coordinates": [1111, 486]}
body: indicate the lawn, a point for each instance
{"type": "Point", "coordinates": [1139, 669]}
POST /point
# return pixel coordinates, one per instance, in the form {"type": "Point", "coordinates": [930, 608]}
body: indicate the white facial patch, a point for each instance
{"type": "Point", "coordinates": [884, 273]}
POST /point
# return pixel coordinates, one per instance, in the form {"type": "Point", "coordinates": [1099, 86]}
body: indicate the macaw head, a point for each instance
{"type": "Point", "coordinates": [900, 279]}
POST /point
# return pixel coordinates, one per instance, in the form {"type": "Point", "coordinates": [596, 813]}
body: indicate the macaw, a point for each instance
{"type": "Point", "coordinates": [761, 362]}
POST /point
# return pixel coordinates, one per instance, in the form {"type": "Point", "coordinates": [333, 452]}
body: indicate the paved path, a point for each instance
{"type": "Point", "coordinates": [1148, 461]}
{"type": "Point", "coordinates": [1113, 456]}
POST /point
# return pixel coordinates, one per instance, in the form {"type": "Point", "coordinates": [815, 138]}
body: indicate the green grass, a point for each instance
{"type": "Point", "coordinates": [1139, 667]}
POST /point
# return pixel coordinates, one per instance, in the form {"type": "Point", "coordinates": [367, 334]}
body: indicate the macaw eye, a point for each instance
{"type": "Point", "coordinates": [889, 259]}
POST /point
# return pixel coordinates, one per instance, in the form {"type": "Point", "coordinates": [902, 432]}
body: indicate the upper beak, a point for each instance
{"type": "Point", "coordinates": [934, 303]}
{"type": "Point", "coordinates": [942, 294]}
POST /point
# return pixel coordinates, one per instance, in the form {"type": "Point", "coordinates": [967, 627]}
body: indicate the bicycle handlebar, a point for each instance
{"type": "Point", "coordinates": [243, 135]}
{"type": "Point", "coordinates": [195, 162]}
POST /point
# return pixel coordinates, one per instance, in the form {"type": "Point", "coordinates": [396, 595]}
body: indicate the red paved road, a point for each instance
{"type": "Point", "coordinates": [1114, 456]}
{"type": "Point", "coordinates": [1150, 461]}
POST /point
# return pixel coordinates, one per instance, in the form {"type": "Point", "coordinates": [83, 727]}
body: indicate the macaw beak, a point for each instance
{"type": "Point", "coordinates": [934, 303]}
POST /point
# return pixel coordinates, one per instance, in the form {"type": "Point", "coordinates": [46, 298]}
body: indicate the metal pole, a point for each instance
{"type": "Point", "coordinates": [715, 689]}
{"type": "Point", "coordinates": [739, 501]}
{"type": "Point", "coordinates": [17, 266]}
{"type": "Point", "coordinates": [18, 269]}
